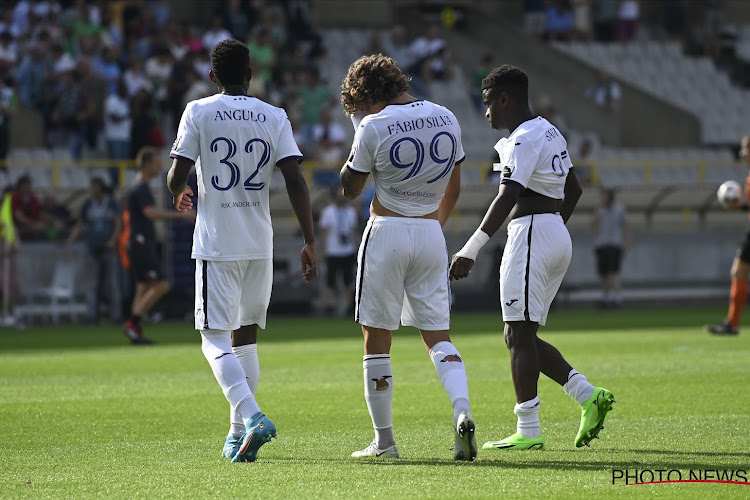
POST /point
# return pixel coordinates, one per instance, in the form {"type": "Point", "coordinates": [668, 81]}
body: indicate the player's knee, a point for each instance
{"type": "Point", "coordinates": [514, 337]}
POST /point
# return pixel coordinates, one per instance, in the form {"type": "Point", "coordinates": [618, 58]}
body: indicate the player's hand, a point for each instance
{"type": "Point", "coordinates": [309, 262]}
{"type": "Point", "coordinates": [460, 267]}
{"type": "Point", "coordinates": [182, 202]}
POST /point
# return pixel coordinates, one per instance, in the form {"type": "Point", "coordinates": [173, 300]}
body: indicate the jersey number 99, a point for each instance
{"type": "Point", "coordinates": [416, 165]}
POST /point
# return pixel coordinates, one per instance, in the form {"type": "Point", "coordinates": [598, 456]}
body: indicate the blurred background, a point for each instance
{"type": "Point", "coordinates": [649, 94]}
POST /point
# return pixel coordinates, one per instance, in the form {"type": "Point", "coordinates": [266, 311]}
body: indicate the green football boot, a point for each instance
{"type": "Point", "coordinates": [516, 442]}
{"type": "Point", "coordinates": [593, 413]}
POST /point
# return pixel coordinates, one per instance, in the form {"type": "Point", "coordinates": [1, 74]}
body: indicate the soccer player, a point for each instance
{"type": "Point", "coordinates": [235, 140]}
{"type": "Point", "coordinates": [538, 179]}
{"type": "Point", "coordinates": [740, 271]}
{"type": "Point", "coordinates": [413, 150]}
{"type": "Point", "coordinates": [150, 283]}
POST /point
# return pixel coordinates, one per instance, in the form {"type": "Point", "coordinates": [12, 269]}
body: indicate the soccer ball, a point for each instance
{"type": "Point", "coordinates": [729, 194]}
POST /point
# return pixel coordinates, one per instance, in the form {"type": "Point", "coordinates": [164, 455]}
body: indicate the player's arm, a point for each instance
{"type": "Point", "coordinates": [572, 194]}
{"type": "Point", "coordinates": [506, 199]}
{"type": "Point", "coordinates": [353, 182]}
{"type": "Point", "coordinates": [296, 188]}
{"type": "Point", "coordinates": [451, 195]}
{"type": "Point", "coordinates": [177, 178]}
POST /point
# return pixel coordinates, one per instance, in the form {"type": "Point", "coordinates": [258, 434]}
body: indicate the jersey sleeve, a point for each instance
{"type": "Point", "coordinates": [187, 145]}
{"type": "Point", "coordinates": [362, 156]}
{"type": "Point", "coordinates": [519, 163]}
{"type": "Point", "coordinates": [286, 147]}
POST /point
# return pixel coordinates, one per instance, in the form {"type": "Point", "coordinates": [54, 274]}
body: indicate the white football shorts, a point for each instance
{"type": "Point", "coordinates": [230, 294]}
{"type": "Point", "coordinates": [535, 259]}
{"type": "Point", "coordinates": [402, 273]}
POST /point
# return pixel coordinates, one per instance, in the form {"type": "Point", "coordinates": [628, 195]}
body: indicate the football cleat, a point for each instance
{"type": "Point", "coordinates": [259, 432]}
{"type": "Point", "coordinates": [373, 451]}
{"type": "Point", "coordinates": [466, 442]}
{"type": "Point", "coordinates": [135, 334]}
{"type": "Point", "coordinates": [725, 328]}
{"type": "Point", "coordinates": [593, 413]}
{"type": "Point", "coordinates": [516, 442]}
{"type": "Point", "coordinates": [231, 446]}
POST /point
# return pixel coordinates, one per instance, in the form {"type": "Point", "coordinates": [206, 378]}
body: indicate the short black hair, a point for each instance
{"type": "Point", "coordinates": [509, 79]}
{"type": "Point", "coordinates": [229, 62]}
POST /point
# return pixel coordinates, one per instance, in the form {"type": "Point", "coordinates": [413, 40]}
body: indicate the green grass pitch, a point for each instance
{"type": "Point", "coordinates": [84, 415]}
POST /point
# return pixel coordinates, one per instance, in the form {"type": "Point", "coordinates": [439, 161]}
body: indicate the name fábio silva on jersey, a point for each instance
{"type": "Point", "coordinates": [419, 124]}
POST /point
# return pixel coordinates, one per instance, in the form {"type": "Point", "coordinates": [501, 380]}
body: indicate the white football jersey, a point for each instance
{"type": "Point", "coordinates": [536, 156]}
{"type": "Point", "coordinates": [235, 141]}
{"type": "Point", "coordinates": [411, 150]}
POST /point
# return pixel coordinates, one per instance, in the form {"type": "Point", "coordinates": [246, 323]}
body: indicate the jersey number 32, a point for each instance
{"type": "Point", "coordinates": [249, 185]}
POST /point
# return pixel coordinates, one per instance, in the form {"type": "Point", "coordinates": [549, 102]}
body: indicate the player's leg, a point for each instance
{"type": "Point", "coordinates": [738, 292]}
{"type": "Point", "coordinates": [381, 264]}
{"type": "Point", "coordinates": [253, 307]}
{"type": "Point", "coordinates": [152, 293]}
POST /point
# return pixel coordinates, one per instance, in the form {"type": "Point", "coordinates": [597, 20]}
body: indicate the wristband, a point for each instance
{"type": "Point", "coordinates": [471, 248]}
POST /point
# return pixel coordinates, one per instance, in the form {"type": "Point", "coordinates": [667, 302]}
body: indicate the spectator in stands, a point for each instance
{"type": "Point", "coordinates": [8, 106]}
{"type": "Point", "coordinates": [32, 71]}
{"type": "Point", "coordinates": [193, 42]}
{"type": "Point", "coordinates": [329, 138]}
{"type": "Point", "coordinates": [582, 19]}
{"type": "Point", "coordinates": [263, 56]}
{"type": "Point", "coordinates": [27, 211]}
{"type": "Point", "coordinates": [108, 68]}
{"type": "Point", "coordinates": [90, 109]}
{"type": "Point", "coordinates": [605, 20]}
{"type": "Point", "coordinates": [397, 47]}
{"type": "Point", "coordinates": [581, 160]}
{"type": "Point", "coordinates": [438, 67]}
{"type": "Point", "coordinates": [627, 19]}
{"type": "Point", "coordinates": [8, 53]}
{"type": "Point", "coordinates": [237, 20]}
{"type": "Point", "coordinates": [62, 61]}
{"type": "Point", "coordinates": [198, 88]}
{"type": "Point", "coordinates": [613, 238]}
{"type": "Point", "coordinates": [424, 47]}
{"type": "Point", "coordinates": [534, 17]}
{"type": "Point", "coordinates": [314, 97]}
{"type": "Point", "coordinates": [117, 128]}
{"type": "Point", "coordinates": [559, 22]}
{"type": "Point", "coordinates": [713, 21]}
{"type": "Point", "coordinates": [135, 77]}
{"type": "Point", "coordinates": [216, 34]}
{"type": "Point", "coordinates": [158, 70]}
{"type": "Point", "coordinates": [674, 18]}
{"type": "Point", "coordinates": [477, 75]}
{"type": "Point", "coordinates": [101, 223]}
{"type": "Point", "coordinates": [144, 129]}
{"type": "Point", "coordinates": [606, 93]}
{"type": "Point", "coordinates": [338, 225]}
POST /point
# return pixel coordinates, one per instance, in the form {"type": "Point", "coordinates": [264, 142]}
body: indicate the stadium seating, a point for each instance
{"type": "Point", "coordinates": [690, 83]}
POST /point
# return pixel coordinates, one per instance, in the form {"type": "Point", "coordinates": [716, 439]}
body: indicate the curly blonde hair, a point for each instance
{"type": "Point", "coordinates": [372, 79]}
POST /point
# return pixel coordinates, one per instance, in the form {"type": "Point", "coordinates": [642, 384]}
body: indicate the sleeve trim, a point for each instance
{"type": "Point", "coordinates": [299, 159]}
{"type": "Point", "coordinates": [175, 156]}
{"type": "Point", "coordinates": [461, 160]}
{"type": "Point", "coordinates": [355, 171]}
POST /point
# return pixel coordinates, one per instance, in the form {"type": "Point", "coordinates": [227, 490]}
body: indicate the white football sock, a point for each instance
{"type": "Point", "coordinates": [577, 387]}
{"type": "Point", "coordinates": [217, 348]}
{"type": "Point", "coordinates": [452, 375]}
{"type": "Point", "coordinates": [528, 418]}
{"type": "Point", "coordinates": [379, 395]}
{"type": "Point", "coordinates": [247, 355]}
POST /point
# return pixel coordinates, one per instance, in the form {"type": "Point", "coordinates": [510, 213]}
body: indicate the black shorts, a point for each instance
{"type": "Point", "coordinates": [744, 251]}
{"type": "Point", "coordinates": [145, 262]}
{"type": "Point", "coordinates": [343, 266]}
{"type": "Point", "coordinates": [608, 259]}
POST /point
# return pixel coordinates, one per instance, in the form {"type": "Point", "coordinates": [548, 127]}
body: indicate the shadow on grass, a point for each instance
{"type": "Point", "coordinates": [286, 328]}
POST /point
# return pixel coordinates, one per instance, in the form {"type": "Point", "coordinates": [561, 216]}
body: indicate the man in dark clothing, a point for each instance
{"type": "Point", "coordinates": [100, 218]}
{"type": "Point", "coordinates": [150, 283]}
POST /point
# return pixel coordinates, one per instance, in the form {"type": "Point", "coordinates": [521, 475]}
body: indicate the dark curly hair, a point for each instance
{"type": "Point", "coordinates": [372, 79]}
{"type": "Point", "coordinates": [229, 62]}
{"type": "Point", "coordinates": [508, 79]}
